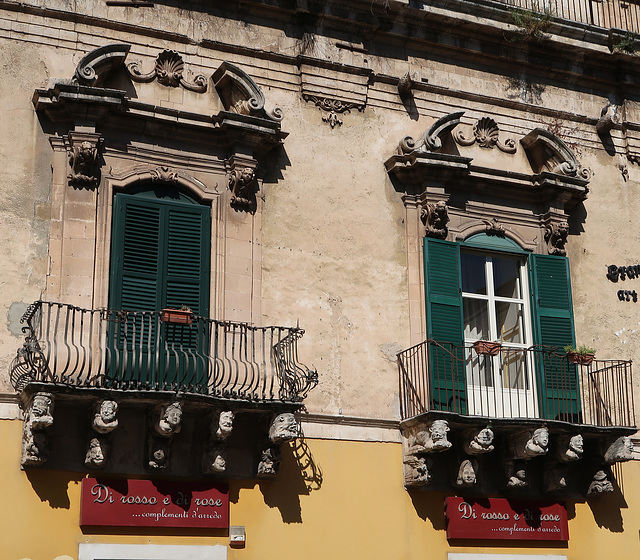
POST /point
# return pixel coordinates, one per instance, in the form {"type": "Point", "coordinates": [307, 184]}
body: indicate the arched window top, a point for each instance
{"type": "Point", "coordinates": [493, 242]}
{"type": "Point", "coordinates": [161, 191]}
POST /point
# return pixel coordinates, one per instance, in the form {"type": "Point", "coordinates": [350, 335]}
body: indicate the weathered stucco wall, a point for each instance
{"type": "Point", "coordinates": [333, 232]}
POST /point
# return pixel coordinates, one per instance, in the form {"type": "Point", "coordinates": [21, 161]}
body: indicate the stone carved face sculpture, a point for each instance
{"type": "Point", "coordinates": [108, 411]}
{"type": "Point", "coordinates": [217, 458]}
{"type": "Point", "coordinates": [482, 442]}
{"type": "Point", "coordinates": [576, 444]}
{"type": "Point", "coordinates": [105, 419]}
{"type": "Point", "coordinates": [466, 474]}
{"type": "Point", "coordinates": [169, 424]}
{"type": "Point", "coordinates": [416, 471]}
{"type": "Point", "coordinates": [438, 436]}
{"type": "Point", "coordinates": [225, 425]}
{"type": "Point", "coordinates": [269, 462]}
{"type": "Point", "coordinates": [96, 453]}
{"type": "Point", "coordinates": [538, 443]}
{"type": "Point", "coordinates": [620, 450]}
{"type": "Point", "coordinates": [41, 405]}
{"type": "Point", "coordinates": [284, 427]}
{"type": "Point", "coordinates": [600, 484]}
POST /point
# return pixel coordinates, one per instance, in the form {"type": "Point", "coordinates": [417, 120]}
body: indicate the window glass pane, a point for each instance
{"type": "Point", "coordinates": [514, 369]}
{"type": "Point", "coordinates": [476, 319]}
{"type": "Point", "coordinates": [479, 369]}
{"type": "Point", "coordinates": [506, 277]}
{"type": "Point", "coordinates": [473, 273]}
{"type": "Point", "coordinates": [509, 322]}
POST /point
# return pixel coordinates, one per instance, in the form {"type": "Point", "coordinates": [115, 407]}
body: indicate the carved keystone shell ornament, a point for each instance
{"type": "Point", "coordinates": [169, 71]}
{"type": "Point", "coordinates": [487, 134]}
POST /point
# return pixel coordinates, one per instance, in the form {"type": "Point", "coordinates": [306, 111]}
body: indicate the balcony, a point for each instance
{"type": "Point", "coordinates": [156, 351]}
{"type": "Point", "coordinates": [556, 426]}
{"type": "Point", "coordinates": [597, 394]}
{"type": "Point", "coordinates": [616, 14]}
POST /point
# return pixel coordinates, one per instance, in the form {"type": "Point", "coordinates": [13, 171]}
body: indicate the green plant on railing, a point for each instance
{"type": "Point", "coordinates": [531, 23]}
{"type": "Point", "coordinates": [628, 43]}
{"type": "Point", "coordinates": [580, 355]}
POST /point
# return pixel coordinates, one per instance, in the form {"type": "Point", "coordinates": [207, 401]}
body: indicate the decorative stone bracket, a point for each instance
{"type": "Point", "coordinates": [283, 428]}
{"type": "Point", "coordinates": [84, 156]}
{"type": "Point", "coordinates": [554, 459]}
{"type": "Point", "coordinates": [37, 420]}
{"type": "Point", "coordinates": [331, 108]}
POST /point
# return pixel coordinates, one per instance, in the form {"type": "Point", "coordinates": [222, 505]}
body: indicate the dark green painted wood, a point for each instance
{"type": "Point", "coordinates": [445, 325]}
{"type": "Point", "coordinates": [552, 313]}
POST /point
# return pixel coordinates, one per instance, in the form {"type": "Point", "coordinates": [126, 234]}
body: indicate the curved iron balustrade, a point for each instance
{"type": "Point", "coordinates": [148, 350]}
{"type": "Point", "coordinates": [444, 376]}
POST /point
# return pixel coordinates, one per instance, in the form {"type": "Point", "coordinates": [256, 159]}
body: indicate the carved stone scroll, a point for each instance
{"type": "Point", "coordinates": [240, 93]}
{"type": "Point", "coordinates": [331, 108]}
{"type": "Point", "coordinates": [444, 125]}
{"type": "Point", "coordinates": [435, 218]}
{"type": "Point", "coordinates": [96, 65]}
{"type": "Point", "coordinates": [37, 420]}
{"type": "Point", "coordinates": [169, 71]}
{"type": "Point", "coordinates": [546, 152]}
{"type": "Point", "coordinates": [487, 135]}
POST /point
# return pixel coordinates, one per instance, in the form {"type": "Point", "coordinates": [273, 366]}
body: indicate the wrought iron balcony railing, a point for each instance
{"type": "Point", "coordinates": [608, 14]}
{"type": "Point", "coordinates": [536, 382]}
{"type": "Point", "coordinates": [159, 351]}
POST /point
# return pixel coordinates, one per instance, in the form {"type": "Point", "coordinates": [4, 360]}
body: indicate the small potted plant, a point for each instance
{"type": "Point", "coordinates": [182, 316]}
{"type": "Point", "coordinates": [487, 347]}
{"type": "Point", "coordinates": [581, 355]}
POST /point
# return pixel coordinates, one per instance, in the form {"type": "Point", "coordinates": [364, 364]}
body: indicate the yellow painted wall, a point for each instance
{"type": "Point", "coordinates": [331, 500]}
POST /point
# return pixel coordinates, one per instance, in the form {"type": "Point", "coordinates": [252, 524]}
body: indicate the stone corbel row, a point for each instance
{"type": "Point", "coordinates": [165, 423]}
{"type": "Point", "coordinates": [424, 441]}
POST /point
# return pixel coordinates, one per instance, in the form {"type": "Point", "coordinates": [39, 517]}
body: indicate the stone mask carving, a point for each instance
{"type": "Point", "coordinates": [170, 421]}
{"type": "Point", "coordinates": [224, 425]}
{"type": "Point", "coordinates": [284, 428]}
{"type": "Point", "coordinates": [105, 419]}
{"type": "Point", "coordinates": [481, 442]}
{"type": "Point", "coordinates": [96, 456]}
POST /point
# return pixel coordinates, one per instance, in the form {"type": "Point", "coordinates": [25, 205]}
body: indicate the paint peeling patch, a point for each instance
{"type": "Point", "coordinates": [390, 350]}
{"type": "Point", "coordinates": [15, 313]}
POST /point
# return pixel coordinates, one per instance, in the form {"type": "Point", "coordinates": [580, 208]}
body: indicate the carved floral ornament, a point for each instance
{"type": "Point", "coordinates": [169, 71]}
{"type": "Point", "coordinates": [331, 108]}
{"type": "Point", "coordinates": [435, 218]}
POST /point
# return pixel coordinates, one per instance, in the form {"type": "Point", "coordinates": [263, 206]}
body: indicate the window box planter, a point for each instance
{"type": "Point", "coordinates": [576, 357]}
{"type": "Point", "coordinates": [487, 347]}
{"type": "Point", "coordinates": [177, 316]}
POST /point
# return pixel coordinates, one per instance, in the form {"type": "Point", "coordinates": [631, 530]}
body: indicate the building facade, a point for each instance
{"type": "Point", "coordinates": [313, 273]}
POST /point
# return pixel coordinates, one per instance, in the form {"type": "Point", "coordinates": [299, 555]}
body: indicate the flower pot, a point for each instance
{"type": "Point", "coordinates": [582, 359]}
{"type": "Point", "coordinates": [177, 316]}
{"type": "Point", "coordinates": [487, 347]}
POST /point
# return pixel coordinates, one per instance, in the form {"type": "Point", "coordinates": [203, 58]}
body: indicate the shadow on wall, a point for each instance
{"type": "Point", "coordinates": [299, 475]}
{"type": "Point", "coordinates": [52, 487]}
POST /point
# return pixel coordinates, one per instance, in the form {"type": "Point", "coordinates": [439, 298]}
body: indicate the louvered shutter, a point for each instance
{"type": "Point", "coordinates": [557, 380]}
{"type": "Point", "coordinates": [160, 258]}
{"type": "Point", "coordinates": [444, 325]}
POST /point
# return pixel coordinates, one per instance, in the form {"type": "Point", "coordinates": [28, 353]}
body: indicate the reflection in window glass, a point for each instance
{"type": "Point", "coordinates": [476, 319]}
{"type": "Point", "coordinates": [509, 322]}
{"type": "Point", "coordinates": [506, 277]}
{"type": "Point", "coordinates": [473, 273]}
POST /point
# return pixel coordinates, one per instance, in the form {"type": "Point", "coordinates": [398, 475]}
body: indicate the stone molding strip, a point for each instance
{"type": "Point", "coordinates": [9, 409]}
{"type": "Point", "coordinates": [349, 428]}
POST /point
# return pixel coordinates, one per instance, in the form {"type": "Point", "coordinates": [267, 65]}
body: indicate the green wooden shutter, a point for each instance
{"type": "Point", "coordinates": [444, 325]}
{"type": "Point", "coordinates": [552, 311]}
{"type": "Point", "coordinates": [160, 258]}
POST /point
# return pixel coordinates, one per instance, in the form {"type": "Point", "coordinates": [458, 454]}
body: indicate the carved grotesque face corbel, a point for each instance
{"type": "Point", "coordinates": [438, 436]}
{"type": "Point", "coordinates": [480, 442]}
{"type": "Point", "coordinates": [216, 459]}
{"type": "Point", "coordinates": [105, 419]}
{"type": "Point", "coordinates": [170, 420]}
{"type": "Point", "coordinates": [416, 471]}
{"type": "Point", "coordinates": [96, 456]}
{"type": "Point", "coordinates": [284, 428]}
{"type": "Point", "coordinates": [467, 474]}
{"type": "Point", "coordinates": [538, 443]}
{"type": "Point", "coordinates": [224, 425]}
{"type": "Point", "coordinates": [269, 464]}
